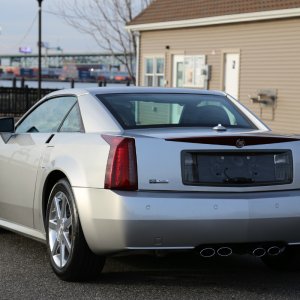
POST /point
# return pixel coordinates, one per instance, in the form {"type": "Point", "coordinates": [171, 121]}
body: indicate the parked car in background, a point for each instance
{"type": "Point", "coordinates": [104, 76]}
{"type": "Point", "coordinates": [102, 171]}
{"type": "Point", "coordinates": [121, 77]}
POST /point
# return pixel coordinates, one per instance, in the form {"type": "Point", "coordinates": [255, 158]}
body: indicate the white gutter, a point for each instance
{"type": "Point", "coordinates": [236, 18]}
{"type": "Point", "coordinates": [137, 71]}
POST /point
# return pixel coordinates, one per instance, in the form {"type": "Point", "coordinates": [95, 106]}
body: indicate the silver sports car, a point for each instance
{"type": "Point", "coordinates": [101, 171]}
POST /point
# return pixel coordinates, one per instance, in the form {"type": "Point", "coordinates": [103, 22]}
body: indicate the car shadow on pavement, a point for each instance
{"type": "Point", "coordinates": [24, 268]}
{"type": "Point", "coordinates": [190, 269]}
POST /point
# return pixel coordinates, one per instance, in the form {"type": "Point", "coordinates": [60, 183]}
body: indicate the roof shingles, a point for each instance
{"type": "Point", "coordinates": [177, 10]}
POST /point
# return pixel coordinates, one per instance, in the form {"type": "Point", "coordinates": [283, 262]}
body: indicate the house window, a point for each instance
{"type": "Point", "coordinates": [154, 71]}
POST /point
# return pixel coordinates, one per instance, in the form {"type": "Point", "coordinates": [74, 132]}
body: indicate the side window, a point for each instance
{"type": "Point", "coordinates": [73, 121]}
{"type": "Point", "coordinates": [48, 116]}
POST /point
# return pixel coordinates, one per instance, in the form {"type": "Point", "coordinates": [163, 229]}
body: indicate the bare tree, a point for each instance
{"type": "Point", "coordinates": [105, 21]}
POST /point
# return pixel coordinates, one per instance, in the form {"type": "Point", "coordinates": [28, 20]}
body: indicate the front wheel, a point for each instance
{"type": "Point", "coordinates": [70, 257]}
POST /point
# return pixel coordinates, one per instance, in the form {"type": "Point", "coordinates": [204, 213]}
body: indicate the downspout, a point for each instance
{"type": "Point", "coordinates": [137, 71]}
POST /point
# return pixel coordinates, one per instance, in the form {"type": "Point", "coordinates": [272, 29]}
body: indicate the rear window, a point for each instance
{"type": "Point", "coordinates": [173, 110]}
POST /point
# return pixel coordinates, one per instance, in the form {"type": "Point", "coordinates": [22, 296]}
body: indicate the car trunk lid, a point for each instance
{"type": "Point", "coordinates": [226, 162]}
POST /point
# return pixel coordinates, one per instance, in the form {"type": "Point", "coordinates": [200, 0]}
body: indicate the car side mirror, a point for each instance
{"type": "Point", "coordinates": [7, 124]}
{"type": "Point", "coordinates": [7, 128]}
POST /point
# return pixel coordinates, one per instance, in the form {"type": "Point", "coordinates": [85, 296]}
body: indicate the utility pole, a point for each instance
{"type": "Point", "coordinates": [40, 49]}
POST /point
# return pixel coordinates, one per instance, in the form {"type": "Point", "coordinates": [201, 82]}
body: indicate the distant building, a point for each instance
{"type": "Point", "coordinates": [250, 49]}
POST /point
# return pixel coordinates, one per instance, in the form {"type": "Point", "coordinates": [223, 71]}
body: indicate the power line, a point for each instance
{"type": "Point", "coordinates": [49, 12]}
{"type": "Point", "coordinates": [27, 32]}
{"type": "Point", "coordinates": [63, 15]}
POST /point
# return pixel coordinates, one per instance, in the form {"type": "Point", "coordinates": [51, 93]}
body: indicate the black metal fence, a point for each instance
{"type": "Point", "coordinates": [16, 101]}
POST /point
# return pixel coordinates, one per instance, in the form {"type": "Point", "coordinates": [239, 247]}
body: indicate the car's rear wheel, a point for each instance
{"type": "Point", "coordinates": [2, 230]}
{"type": "Point", "coordinates": [70, 257]}
{"type": "Point", "coordinates": [288, 260]}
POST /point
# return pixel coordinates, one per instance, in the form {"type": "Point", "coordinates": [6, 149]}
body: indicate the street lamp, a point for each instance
{"type": "Point", "coordinates": [40, 49]}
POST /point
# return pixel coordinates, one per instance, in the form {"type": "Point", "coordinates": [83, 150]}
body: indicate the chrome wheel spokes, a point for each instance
{"type": "Point", "coordinates": [60, 229]}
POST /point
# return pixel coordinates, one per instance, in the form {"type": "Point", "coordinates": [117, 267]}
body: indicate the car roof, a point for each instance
{"type": "Point", "coordinates": [136, 90]}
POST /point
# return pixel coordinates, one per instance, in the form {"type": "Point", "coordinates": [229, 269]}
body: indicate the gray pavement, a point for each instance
{"type": "Point", "coordinates": [26, 274]}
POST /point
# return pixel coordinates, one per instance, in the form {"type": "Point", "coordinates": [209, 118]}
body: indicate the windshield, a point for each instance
{"type": "Point", "coordinates": [174, 110]}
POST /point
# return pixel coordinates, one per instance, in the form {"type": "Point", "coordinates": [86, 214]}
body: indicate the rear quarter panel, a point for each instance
{"type": "Point", "coordinates": [81, 157]}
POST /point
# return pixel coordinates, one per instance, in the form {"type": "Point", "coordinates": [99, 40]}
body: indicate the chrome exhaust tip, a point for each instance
{"type": "Point", "coordinates": [259, 252]}
{"type": "Point", "coordinates": [224, 251]}
{"type": "Point", "coordinates": [207, 252]}
{"type": "Point", "coordinates": [274, 250]}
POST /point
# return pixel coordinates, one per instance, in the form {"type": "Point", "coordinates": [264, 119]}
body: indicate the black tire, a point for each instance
{"type": "Point", "coordinates": [70, 257]}
{"type": "Point", "coordinates": [289, 260]}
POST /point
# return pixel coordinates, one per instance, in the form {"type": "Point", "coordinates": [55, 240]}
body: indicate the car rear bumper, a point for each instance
{"type": "Point", "coordinates": [114, 221]}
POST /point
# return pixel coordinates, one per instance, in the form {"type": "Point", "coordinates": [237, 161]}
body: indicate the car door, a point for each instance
{"type": "Point", "coordinates": [20, 158]}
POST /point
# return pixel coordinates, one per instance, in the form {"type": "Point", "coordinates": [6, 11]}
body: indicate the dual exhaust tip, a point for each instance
{"type": "Point", "coordinates": [272, 251]}
{"type": "Point", "coordinates": [227, 251]}
{"type": "Point", "coordinates": [210, 252]}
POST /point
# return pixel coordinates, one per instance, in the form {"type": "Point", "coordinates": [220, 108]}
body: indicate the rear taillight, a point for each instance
{"type": "Point", "coordinates": [121, 169]}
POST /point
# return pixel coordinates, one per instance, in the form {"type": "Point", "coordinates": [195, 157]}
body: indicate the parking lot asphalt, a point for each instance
{"type": "Point", "coordinates": [25, 274]}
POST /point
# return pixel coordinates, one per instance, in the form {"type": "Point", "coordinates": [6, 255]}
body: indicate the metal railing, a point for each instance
{"type": "Point", "coordinates": [16, 101]}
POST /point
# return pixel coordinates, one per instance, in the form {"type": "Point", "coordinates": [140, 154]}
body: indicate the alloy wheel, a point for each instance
{"type": "Point", "coordinates": [60, 229]}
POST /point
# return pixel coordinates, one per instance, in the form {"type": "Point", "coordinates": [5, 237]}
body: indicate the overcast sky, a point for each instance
{"type": "Point", "coordinates": [16, 18]}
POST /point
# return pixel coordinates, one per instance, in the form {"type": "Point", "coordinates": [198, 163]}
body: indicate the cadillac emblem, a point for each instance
{"type": "Point", "coordinates": [240, 143]}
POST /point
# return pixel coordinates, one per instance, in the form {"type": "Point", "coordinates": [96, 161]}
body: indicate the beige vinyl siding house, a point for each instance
{"type": "Point", "coordinates": [254, 56]}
